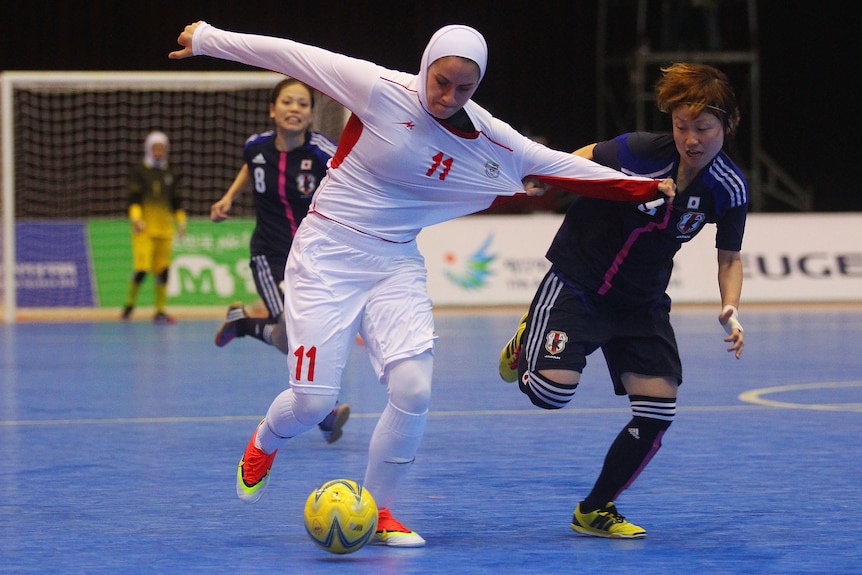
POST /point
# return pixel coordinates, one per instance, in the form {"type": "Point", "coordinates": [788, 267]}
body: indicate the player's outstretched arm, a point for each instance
{"type": "Point", "coordinates": [185, 40]}
{"type": "Point", "coordinates": [666, 186]}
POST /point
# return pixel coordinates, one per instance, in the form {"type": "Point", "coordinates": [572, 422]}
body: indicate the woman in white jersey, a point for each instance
{"type": "Point", "coordinates": [416, 151]}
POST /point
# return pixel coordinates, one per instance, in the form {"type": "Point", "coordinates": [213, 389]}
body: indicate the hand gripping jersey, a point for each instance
{"type": "Point", "coordinates": [397, 168]}
{"type": "Point", "coordinates": [283, 184]}
{"type": "Point", "coordinates": [625, 250]}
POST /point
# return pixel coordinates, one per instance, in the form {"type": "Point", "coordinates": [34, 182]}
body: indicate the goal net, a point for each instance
{"type": "Point", "coordinates": [70, 138]}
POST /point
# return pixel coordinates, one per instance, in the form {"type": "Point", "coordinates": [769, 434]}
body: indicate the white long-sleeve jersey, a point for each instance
{"type": "Point", "coordinates": [397, 168]}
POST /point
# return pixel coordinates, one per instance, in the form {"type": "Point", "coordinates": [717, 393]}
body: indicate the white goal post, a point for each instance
{"type": "Point", "coordinates": [69, 139]}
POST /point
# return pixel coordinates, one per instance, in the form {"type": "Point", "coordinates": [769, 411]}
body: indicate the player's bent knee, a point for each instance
{"type": "Point", "coordinates": [655, 413]}
{"type": "Point", "coordinates": [546, 393]}
{"type": "Point", "coordinates": [311, 409]}
{"type": "Point", "coordinates": [409, 383]}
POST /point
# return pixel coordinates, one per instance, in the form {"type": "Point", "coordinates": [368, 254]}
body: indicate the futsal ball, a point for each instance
{"type": "Point", "coordinates": [341, 516]}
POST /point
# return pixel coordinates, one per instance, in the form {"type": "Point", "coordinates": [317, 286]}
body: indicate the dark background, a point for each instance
{"type": "Point", "coordinates": [541, 75]}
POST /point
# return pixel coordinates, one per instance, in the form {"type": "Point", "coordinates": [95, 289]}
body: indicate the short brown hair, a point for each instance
{"type": "Point", "coordinates": [701, 87]}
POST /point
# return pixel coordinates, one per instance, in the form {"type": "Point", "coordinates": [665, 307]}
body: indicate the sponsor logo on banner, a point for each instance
{"type": "Point", "coordinates": [210, 265]}
{"type": "Point", "coordinates": [479, 260]}
{"type": "Point", "coordinates": [816, 265]}
{"type": "Point", "coordinates": [472, 273]}
{"type": "Point", "coordinates": [53, 267]}
{"type": "Point", "coordinates": [499, 259]}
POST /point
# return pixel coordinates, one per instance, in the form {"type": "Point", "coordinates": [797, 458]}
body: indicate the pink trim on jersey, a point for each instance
{"type": "Point", "coordinates": [624, 252]}
{"type": "Point", "coordinates": [656, 445]}
{"type": "Point", "coordinates": [282, 191]}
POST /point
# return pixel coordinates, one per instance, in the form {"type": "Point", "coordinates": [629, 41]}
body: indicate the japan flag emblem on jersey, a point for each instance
{"type": "Point", "coordinates": [306, 184]}
{"type": "Point", "coordinates": [555, 341]}
{"type": "Point", "coordinates": [689, 222]}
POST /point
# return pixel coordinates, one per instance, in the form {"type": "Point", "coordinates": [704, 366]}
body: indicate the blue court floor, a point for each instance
{"type": "Point", "coordinates": [119, 444]}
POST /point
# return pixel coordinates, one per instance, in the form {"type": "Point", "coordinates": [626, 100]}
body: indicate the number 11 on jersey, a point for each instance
{"type": "Point", "coordinates": [301, 355]}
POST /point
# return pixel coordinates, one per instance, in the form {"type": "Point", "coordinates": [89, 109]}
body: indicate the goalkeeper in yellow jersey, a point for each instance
{"type": "Point", "coordinates": [155, 205]}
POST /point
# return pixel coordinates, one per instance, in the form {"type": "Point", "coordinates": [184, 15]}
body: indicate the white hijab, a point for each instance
{"type": "Point", "coordinates": [152, 139]}
{"type": "Point", "coordinates": [454, 40]}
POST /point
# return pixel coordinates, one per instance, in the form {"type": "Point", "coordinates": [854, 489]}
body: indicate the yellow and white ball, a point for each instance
{"type": "Point", "coordinates": [341, 516]}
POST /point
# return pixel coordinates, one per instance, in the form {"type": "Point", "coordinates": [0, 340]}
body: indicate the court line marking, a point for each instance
{"type": "Point", "coordinates": [756, 396]}
{"type": "Point", "coordinates": [231, 418]}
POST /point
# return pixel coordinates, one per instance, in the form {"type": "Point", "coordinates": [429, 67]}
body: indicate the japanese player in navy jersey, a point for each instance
{"type": "Point", "coordinates": [283, 167]}
{"type": "Point", "coordinates": [611, 263]}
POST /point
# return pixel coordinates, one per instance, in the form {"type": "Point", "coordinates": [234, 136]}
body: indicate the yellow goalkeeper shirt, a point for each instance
{"type": "Point", "coordinates": [155, 197]}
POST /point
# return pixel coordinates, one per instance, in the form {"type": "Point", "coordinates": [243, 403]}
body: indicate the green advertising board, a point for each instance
{"type": "Point", "coordinates": [209, 267]}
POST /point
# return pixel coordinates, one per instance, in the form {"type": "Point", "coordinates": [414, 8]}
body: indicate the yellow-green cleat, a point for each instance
{"type": "Point", "coordinates": [392, 533]}
{"type": "Point", "coordinates": [252, 474]}
{"type": "Point", "coordinates": [606, 522]}
{"type": "Point", "coordinates": [509, 355]}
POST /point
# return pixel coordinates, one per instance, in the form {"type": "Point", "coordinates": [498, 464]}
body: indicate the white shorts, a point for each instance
{"type": "Point", "coordinates": [339, 282]}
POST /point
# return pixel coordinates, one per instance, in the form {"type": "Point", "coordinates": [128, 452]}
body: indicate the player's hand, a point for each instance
{"type": "Point", "coordinates": [534, 187]}
{"type": "Point", "coordinates": [138, 226]}
{"type": "Point", "coordinates": [185, 40]}
{"type": "Point", "coordinates": [737, 342]}
{"type": "Point", "coordinates": [219, 210]}
{"type": "Point", "coordinates": [667, 187]}
{"type": "Point", "coordinates": [735, 337]}
{"type": "Point", "coordinates": [181, 230]}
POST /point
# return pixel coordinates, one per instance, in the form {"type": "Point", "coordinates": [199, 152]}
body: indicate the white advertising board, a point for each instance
{"type": "Point", "coordinates": [499, 260]}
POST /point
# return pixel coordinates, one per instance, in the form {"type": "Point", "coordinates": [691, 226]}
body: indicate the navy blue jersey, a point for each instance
{"type": "Point", "coordinates": [282, 184]}
{"type": "Point", "coordinates": [624, 251]}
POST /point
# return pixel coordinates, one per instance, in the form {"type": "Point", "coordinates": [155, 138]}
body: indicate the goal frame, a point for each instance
{"type": "Point", "coordinates": [89, 81]}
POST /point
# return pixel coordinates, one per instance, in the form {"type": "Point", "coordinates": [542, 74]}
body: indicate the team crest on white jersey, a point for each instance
{"type": "Point", "coordinates": [555, 341]}
{"type": "Point", "coordinates": [492, 169]}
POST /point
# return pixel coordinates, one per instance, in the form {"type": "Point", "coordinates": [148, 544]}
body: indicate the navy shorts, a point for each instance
{"type": "Point", "coordinates": [565, 325]}
{"type": "Point", "coordinates": [268, 273]}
